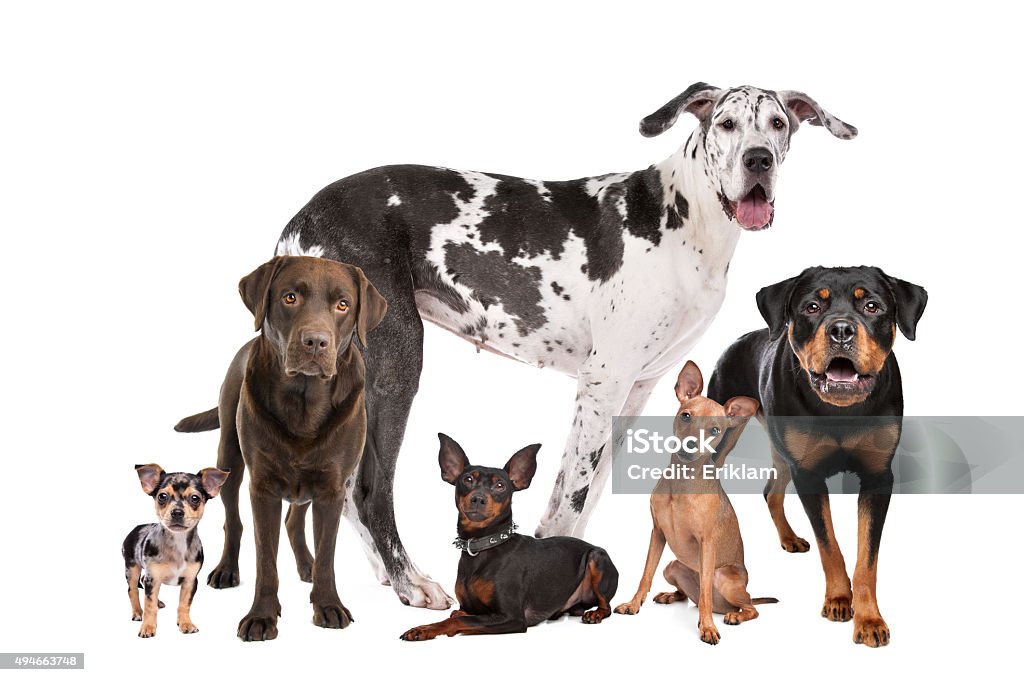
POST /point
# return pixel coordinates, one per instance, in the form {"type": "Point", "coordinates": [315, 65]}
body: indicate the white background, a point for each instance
{"type": "Point", "coordinates": [151, 157]}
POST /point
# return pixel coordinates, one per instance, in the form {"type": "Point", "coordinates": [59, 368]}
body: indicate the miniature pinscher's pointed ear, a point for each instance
{"type": "Point", "coordinates": [690, 382]}
{"type": "Point", "coordinates": [910, 302]}
{"type": "Point", "coordinates": [522, 466]}
{"type": "Point", "coordinates": [254, 288]}
{"type": "Point", "coordinates": [149, 477]}
{"type": "Point", "coordinates": [372, 307]}
{"type": "Point", "coordinates": [741, 406]}
{"type": "Point", "coordinates": [452, 459]}
{"type": "Point", "coordinates": [212, 480]}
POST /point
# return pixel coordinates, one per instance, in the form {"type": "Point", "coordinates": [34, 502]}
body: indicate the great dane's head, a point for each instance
{"type": "Point", "coordinates": [745, 135]}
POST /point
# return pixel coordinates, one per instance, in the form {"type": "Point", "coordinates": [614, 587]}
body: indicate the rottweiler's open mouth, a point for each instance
{"type": "Point", "coordinates": [754, 211]}
{"type": "Point", "coordinates": [841, 376]}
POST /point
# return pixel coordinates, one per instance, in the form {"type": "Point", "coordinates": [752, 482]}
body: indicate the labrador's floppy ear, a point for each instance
{"type": "Point", "coordinates": [910, 302]}
{"type": "Point", "coordinates": [372, 306]}
{"type": "Point", "coordinates": [452, 459]}
{"type": "Point", "coordinates": [522, 466]}
{"type": "Point", "coordinates": [803, 108]}
{"type": "Point", "coordinates": [773, 303]}
{"type": "Point", "coordinates": [149, 476]}
{"type": "Point", "coordinates": [254, 288]}
{"type": "Point", "coordinates": [698, 99]}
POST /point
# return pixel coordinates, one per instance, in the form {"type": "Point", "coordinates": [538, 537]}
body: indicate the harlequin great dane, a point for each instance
{"type": "Point", "coordinates": [610, 279]}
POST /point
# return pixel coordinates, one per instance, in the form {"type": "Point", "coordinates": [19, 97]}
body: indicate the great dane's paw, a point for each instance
{"type": "Point", "coordinates": [871, 631]}
{"type": "Point", "coordinates": [709, 633]}
{"type": "Point", "coordinates": [595, 615]}
{"type": "Point", "coordinates": [420, 633]}
{"type": "Point", "coordinates": [223, 576]}
{"type": "Point", "coordinates": [669, 597]}
{"type": "Point", "coordinates": [837, 609]}
{"type": "Point", "coordinates": [333, 615]}
{"type": "Point", "coordinates": [147, 630]}
{"type": "Point", "coordinates": [630, 608]}
{"type": "Point", "coordinates": [795, 544]}
{"type": "Point", "coordinates": [422, 592]}
{"type": "Point", "coordinates": [255, 628]}
{"type": "Point", "coordinates": [187, 627]}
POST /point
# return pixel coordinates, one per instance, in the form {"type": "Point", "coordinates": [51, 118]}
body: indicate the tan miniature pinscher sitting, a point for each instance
{"type": "Point", "coordinates": [696, 519]}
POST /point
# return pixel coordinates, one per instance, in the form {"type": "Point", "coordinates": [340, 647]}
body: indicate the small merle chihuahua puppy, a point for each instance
{"type": "Point", "coordinates": [168, 552]}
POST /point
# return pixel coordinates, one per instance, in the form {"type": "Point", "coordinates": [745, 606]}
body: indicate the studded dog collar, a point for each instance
{"type": "Point", "coordinates": [474, 546]}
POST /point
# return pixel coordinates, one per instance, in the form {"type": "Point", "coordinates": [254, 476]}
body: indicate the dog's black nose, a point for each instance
{"type": "Point", "coordinates": [314, 341]}
{"type": "Point", "coordinates": [841, 331]}
{"type": "Point", "coordinates": [478, 500]}
{"type": "Point", "coordinates": [758, 159]}
{"type": "Point", "coordinates": [178, 514]}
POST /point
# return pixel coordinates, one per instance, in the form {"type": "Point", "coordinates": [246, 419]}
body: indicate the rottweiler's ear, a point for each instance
{"type": "Point", "coordinates": [212, 480]}
{"type": "Point", "coordinates": [698, 99]}
{"type": "Point", "coordinates": [910, 302]}
{"type": "Point", "coordinates": [522, 466]}
{"type": "Point", "coordinates": [803, 108]}
{"type": "Point", "coordinates": [690, 382]}
{"type": "Point", "coordinates": [452, 459]}
{"type": "Point", "coordinates": [773, 303]}
{"type": "Point", "coordinates": [741, 406]}
{"type": "Point", "coordinates": [372, 307]}
{"type": "Point", "coordinates": [149, 477]}
{"type": "Point", "coordinates": [254, 288]}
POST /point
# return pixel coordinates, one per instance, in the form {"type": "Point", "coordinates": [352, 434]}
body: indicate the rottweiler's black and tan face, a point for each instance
{"type": "Point", "coordinates": [309, 308]}
{"type": "Point", "coordinates": [841, 324]}
{"type": "Point", "coordinates": [483, 495]}
{"type": "Point", "coordinates": [180, 498]}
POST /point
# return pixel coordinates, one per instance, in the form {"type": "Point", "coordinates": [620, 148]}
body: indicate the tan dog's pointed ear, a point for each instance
{"type": "Point", "coordinates": [741, 406]}
{"type": "Point", "coordinates": [212, 480]}
{"type": "Point", "coordinates": [372, 307]}
{"type": "Point", "coordinates": [149, 477]}
{"type": "Point", "coordinates": [254, 288]}
{"type": "Point", "coordinates": [690, 382]}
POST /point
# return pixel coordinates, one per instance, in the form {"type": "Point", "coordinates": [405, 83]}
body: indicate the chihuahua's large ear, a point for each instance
{"type": "Point", "coordinates": [255, 288]}
{"type": "Point", "coordinates": [698, 99]}
{"type": "Point", "coordinates": [372, 306]}
{"type": "Point", "coordinates": [910, 302]}
{"type": "Point", "coordinates": [773, 302]}
{"type": "Point", "coordinates": [149, 477]}
{"type": "Point", "coordinates": [522, 466]}
{"type": "Point", "coordinates": [741, 406]}
{"type": "Point", "coordinates": [803, 108]}
{"type": "Point", "coordinates": [690, 382]}
{"type": "Point", "coordinates": [212, 480]}
{"type": "Point", "coordinates": [452, 459]}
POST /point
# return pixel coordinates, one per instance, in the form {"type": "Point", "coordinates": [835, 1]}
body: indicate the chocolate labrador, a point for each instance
{"type": "Point", "coordinates": [292, 411]}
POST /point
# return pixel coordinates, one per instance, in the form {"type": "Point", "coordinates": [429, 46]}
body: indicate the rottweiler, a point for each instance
{"type": "Point", "coordinates": [827, 352]}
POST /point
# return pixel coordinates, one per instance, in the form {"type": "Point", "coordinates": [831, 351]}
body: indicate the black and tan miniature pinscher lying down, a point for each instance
{"type": "Point", "coordinates": [508, 582]}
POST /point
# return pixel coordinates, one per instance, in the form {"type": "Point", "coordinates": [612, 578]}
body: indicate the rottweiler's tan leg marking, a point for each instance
{"type": "Point", "coordinates": [134, 574]}
{"type": "Point", "coordinates": [189, 584]}
{"type": "Point", "coordinates": [654, 552]}
{"type": "Point", "coordinates": [868, 625]}
{"type": "Point", "coordinates": [838, 604]}
{"type": "Point", "coordinates": [775, 496]}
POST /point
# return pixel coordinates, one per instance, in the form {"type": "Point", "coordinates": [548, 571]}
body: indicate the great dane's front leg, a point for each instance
{"type": "Point", "coordinates": [328, 611]}
{"type": "Point", "coordinates": [599, 397]}
{"type": "Point", "coordinates": [633, 407]}
{"type": "Point", "coordinates": [868, 625]}
{"type": "Point", "coordinates": [261, 621]}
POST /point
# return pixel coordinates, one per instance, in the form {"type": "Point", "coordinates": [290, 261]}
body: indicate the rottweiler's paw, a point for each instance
{"type": "Point", "coordinates": [795, 544]}
{"type": "Point", "coordinates": [255, 628]}
{"type": "Point", "coordinates": [187, 627]}
{"type": "Point", "coordinates": [871, 631]}
{"type": "Point", "coordinates": [837, 609]}
{"type": "Point", "coordinates": [669, 597]}
{"type": "Point", "coordinates": [334, 616]}
{"type": "Point", "coordinates": [147, 631]}
{"type": "Point", "coordinates": [223, 577]}
{"type": "Point", "coordinates": [630, 608]}
{"type": "Point", "coordinates": [595, 615]}
{"type": "Point", "coordinates": [420, 633]}
{"type": "Point", "coordinates": [709, 634]}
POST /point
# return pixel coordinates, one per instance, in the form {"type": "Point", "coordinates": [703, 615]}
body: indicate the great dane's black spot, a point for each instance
{"type": "Point", "coordinates": [515, 287]}
{"type": "Point", "coordinates": [579, 498]}
{"type": "Point", "coordinates": [643, 204]}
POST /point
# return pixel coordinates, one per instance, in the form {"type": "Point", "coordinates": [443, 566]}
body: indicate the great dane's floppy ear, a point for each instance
{"type": "Point", "coordinates": [773, 303]}
{"type": "Point", "coordinates": [149, 477]}
{"type": "Point", "coordinates": [522, 466]}
{"type": "Point", "coordinates": [803, 108]}
{"type": "Point", "coordinates": [372, 307]}
{"type": "Point", "coordinates": [698, 99]}
{"type": "Point", "coordinates": [452, 459]}
{"type": "Point", "coordinates": [255, 288]}
{"type": "Point", "coordinates": [910, 302]}
{"type": "Point", "coordinates": [690, 382]}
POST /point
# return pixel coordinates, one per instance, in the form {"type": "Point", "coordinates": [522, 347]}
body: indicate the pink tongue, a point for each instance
{"type": "Point", "coordinates": [841, 372]}
{"type": "Point", "coordinates": [753, 211]}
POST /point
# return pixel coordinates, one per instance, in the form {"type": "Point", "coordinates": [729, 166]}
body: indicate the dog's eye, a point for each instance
{"type": "Point", "coordinates": [162, 498]}
{"type": "Point", "coordinates": [468, 480]}
{"type": "Point", "coordinates": [685, 416]}
{"type": "Point", "coordinates": [812, 308]}
{"type": "Point", "coordinates": [342, 306]}
{"type": "Point", "coordinates": [728, 124]}
{"type": "Point", "coordinates": [290, 298]}
{"type": "Point", "coordinates": [500, 485]}
{"type": "Point", "coordinates": [872, 308]}
{"type": "Point", "coordinates": [194, 499]}
{"type": "Point", "coordinates": [715, 430]}
{"type": "Point", "coordinates": [778, 123]}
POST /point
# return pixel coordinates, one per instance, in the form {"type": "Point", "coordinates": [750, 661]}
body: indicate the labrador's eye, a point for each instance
{"type": "Point", "coordinates": [342, 306]}
{"type": "Point", "coordinates": [290, 298]}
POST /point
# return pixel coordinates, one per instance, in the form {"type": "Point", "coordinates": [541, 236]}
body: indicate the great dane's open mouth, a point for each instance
{"type": "Point", "coordinates": [753, 211]}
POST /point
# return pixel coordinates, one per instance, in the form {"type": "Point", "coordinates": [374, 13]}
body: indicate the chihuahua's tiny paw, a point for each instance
{"type": "Point", "coordinates": [137, 616]}
{"type": "Point", "coordinates": [147, 631]}
{"type": "Point", "coordinates": [628, 609]}
{"type": "Point", "coordinates": [709, 634]}
{"type": "Point", "coordinates": [187, 627]}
